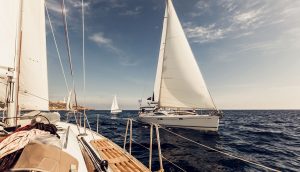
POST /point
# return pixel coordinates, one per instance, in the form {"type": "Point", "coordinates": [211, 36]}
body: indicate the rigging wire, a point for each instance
{"type": "Point", "coordinates": [57, 50]}
{"type": "Point", "coordinates": [221, 152]}
{"type": "Point", "coordinates": [83, 66]}
{"type": "Point", "coordinates": [63, 7]}
{"type": "Point", "coordinates": [83, 59]}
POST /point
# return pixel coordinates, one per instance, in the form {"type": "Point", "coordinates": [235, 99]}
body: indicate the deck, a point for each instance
{"type": "Point", "coordinates": [118, 159]}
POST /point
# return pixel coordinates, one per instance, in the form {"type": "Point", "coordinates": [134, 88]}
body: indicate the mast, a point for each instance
{"type": "Point", "coordinates": [161, 57]}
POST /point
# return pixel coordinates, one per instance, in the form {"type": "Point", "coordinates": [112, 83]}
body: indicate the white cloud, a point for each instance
{"type": "Point", "coordinates": [100, 40]}
{"type": "Point", "coordinates": [248, 18]}
{"type": "Point", "coordinates": [202, 34]}
{"type": "Point", "coordinates": [54, 6]}
{"type": "Point", "coordinates": [103, 41]}
{"type": "Point", "coordinates": [135, 11]}
{"type": "Point", "coordinates": [202, 8]}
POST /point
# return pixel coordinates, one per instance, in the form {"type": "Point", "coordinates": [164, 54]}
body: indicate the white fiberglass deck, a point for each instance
{"type": "Point", "coordinates": [93, 139]}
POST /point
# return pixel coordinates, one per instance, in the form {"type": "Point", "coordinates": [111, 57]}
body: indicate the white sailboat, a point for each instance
{"type": "Point", "coordinates": [179, 88]}
{"type": "Point", "coordinates": [24, 86]}
{"type": "Point", "coordinates": [115, 107]}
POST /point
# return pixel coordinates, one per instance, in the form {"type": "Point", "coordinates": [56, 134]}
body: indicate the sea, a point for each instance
{"type": "Point", "coordinates": [267, 137]}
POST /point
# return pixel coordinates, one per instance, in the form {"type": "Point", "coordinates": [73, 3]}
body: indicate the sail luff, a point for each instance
{"type": "Point", "coordinates": [182, 84]}
{"type": "Point", "coordinates": [157, 83]}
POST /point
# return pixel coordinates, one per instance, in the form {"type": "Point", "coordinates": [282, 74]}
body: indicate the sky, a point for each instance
{"type": "Point", "coordinates": [248, 51]}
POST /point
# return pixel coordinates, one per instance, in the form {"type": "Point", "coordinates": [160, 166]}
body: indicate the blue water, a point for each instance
{"type": "Point", "coordinates": [269, 137]}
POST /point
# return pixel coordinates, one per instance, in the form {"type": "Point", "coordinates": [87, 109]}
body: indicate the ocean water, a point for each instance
{"type": "Point", "coordinates": [270, 137]}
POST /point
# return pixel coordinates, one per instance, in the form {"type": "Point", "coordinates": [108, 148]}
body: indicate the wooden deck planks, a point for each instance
{"type": "Point", "coordinates": [118, 159]}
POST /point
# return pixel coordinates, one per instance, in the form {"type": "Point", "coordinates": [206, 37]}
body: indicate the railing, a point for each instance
{"type": "Point", "coordinates": [129, 126]}
{"type": "Point", "coordinates": [129, 131]}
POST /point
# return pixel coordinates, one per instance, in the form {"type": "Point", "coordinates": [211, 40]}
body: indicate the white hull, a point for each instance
{"type": "Point", "coordinates": [115, 112]}
{"type": "Point", "coordinates": [196, 122]}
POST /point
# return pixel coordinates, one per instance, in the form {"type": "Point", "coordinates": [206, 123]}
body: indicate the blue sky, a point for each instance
{"type": "Point", "coordinates": [248, 51]}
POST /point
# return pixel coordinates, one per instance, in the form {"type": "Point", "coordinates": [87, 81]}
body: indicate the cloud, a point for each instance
{"type": "Point", "coordinates": [135, 11]}
{"type": "Point", "coordinates": [72, 10]}
{"type": "Point", "coordinates": [103, 41]}
{"type": "Point", "coordinates": [54, 6]}
{"type": "Point", "coordinates": [100, 40]}
{"type": "Point", "coordinates": [202, 34]}
{"type": "Point", "coordinates": [202, 8]}
{"type": "Point", "coordinates": [247, 16]}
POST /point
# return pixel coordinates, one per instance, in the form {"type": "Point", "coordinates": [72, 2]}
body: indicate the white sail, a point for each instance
{"type": "Point", "coordinates": [69, 104]}
{"type": "Point", "coordinates": [33, 86]}
{"type": "Point", "coordinates": [114, 105]}
{"type": "Point", "coordinates": [9, 19]}
{"type": "Point", "coordinates": [182, 84]}
{"type": "Point", "coordinates": [160, 60]}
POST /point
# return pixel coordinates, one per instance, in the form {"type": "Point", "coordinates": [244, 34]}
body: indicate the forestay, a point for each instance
{"type": "Point", "coordinates": [181, 82]}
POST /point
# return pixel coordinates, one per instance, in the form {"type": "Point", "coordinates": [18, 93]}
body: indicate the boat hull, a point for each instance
{"type": "Point", "coordinates": [196, 122]}
{"type": "Point", "coordinates": [115, 112]}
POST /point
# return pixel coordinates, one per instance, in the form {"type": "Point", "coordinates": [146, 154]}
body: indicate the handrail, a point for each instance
{"type": "Point", "coordinates": [129, 124]}
{"type": "Point", "coordinates": [67, 137]}
{"type": "Point", "coordinates": [150, 149]}
{"type": "Point", "coordinates": [97, 123]}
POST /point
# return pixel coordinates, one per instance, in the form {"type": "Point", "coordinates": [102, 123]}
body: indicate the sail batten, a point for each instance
{"type": "Point", "coordinates": [180, 81]}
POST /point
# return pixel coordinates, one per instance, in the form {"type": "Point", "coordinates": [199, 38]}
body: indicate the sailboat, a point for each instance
{"type": "Point", "coordinates": [179, 89]}
{"type": "Point", "coordinates": [37, 141]}
{"type": "Point", "coordinates": [115, 107]}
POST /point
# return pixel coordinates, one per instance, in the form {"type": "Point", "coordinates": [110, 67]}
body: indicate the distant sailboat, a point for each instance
{"type": "Point", "coordinates": [115, 107]}
{"type": "Point", "coordinates": [179, 88]}
{"type": "Point", "coordinates": [68, 103]}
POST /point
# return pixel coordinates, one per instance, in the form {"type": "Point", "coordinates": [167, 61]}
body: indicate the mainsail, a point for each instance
{"type": "Point", "coordinates": [20, 45]}
{"type": "Point", "coordinates": [9, 33]}
{"type": "Point", "coordinates": [179, 82]}
{"type": "Point", "coordinates": [33, 89]}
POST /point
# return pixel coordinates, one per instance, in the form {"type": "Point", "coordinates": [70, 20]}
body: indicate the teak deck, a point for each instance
{"type": "Point", "coordinates": [118, 160]}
